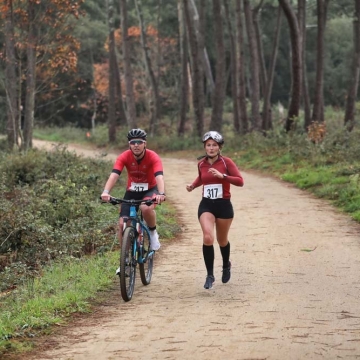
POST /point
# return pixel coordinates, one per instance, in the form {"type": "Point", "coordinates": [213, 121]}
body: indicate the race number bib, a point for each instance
{"type": "Point", "coordinates": [139, 187]}
{"type": "Point", "coordinates": [213, 191]}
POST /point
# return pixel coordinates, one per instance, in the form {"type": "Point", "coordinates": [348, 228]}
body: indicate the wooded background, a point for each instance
{"type": "Point", "coordinates": [182, 63]}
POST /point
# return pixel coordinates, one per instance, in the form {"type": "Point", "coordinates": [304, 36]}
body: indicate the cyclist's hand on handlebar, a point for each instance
{"type": "Point", "coordinates": [105, 196]}
{"type": "Point", "coordinates": [160, 198]}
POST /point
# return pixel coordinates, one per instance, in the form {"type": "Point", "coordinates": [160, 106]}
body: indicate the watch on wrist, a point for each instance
{"type": "Point", "coordinates": [224, 176]}
{"type": "Point", "coordinates": [162, 193]}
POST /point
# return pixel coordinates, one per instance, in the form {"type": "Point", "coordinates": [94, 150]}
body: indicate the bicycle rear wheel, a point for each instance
{"type": "Point", "coordinates": [146, 268]}
{"type": "Point", "coordinates": [127, 264]}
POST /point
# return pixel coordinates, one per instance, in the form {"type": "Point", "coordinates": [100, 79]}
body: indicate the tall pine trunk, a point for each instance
{"type": "Point", "coordinates": [196, 73]}
{"type": "Point", "coordinates": [112, 65]}
{"type": "Point", "coordinates": [294, 107]}
{"type": "Point", "coordinates": [318, 107]}
{"type": "Point", "coordinates": [241, 83]}
{"type": "Point", "coordinates": [155, 111]}
{"type": "Point", "coordinates": [128, 77]}
{"type": "Point", "coordinates": [254, 68]}
{"type": "Point", "coordinates": [12, 126]}
{"type": "Point", "coordinates": [355, 72]}
{"type": "Point", "coordinates": [30, 79]}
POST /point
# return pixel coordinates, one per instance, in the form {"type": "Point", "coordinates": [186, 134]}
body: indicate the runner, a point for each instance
{"type": "Point", "coordinates": [216, 173]}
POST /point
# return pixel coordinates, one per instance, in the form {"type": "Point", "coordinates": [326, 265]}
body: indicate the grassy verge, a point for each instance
{"type": "Point", "coordinates": [337, 182]}
{"type": "Point", "coordinates": [59, 247]}
{"type": "Point", "coordinates": [66, 286]}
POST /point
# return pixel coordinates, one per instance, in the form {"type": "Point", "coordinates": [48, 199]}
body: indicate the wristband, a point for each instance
{"type": "Point", "coordinates": [106, 191]}
{"type": "Point", "coordinates": [162, 194]}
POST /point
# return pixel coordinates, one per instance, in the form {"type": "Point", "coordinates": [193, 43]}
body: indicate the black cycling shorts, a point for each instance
{"type": "Point", "coordinates": [220, 208]}
{"type": "Point", "coordinates": [136, 195]}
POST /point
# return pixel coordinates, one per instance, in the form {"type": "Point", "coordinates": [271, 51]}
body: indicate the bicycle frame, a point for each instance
{"type": "Point", "coordinates": [138, 224]}
{"type": "Point", "coordinates": [133, 251]}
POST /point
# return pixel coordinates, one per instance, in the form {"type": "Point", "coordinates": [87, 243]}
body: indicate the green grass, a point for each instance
{"type": "Point", "coordinates": [329, 170]}
{"type": "Point", "coordinates": [70, 284]}
{"type": "Point", "coordinates": [64, 288]}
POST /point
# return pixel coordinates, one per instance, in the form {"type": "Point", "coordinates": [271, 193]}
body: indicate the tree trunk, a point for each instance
{"type": "Point", "coordinates": [30, 79]}
{"type": "Point", "coordinates": [318, 110]}
{"type": "Point", "coordinates": [184, 70]}
{"type": "Point", "coordinates": [266, 116]}
{"type": "Point", "coordinates": [120, 109]}
{"type": "Point", "coordinates": [355, 72]}
{"type": "Point", "coordinates": [199, 21]}
{"type": "Point", "coordinates": [234, 74]}
{"type": "Point", "coordinates": [241, 85]}
{"type": "Point", "coordinates": [219, 91]}
{"type": "Point", "coordinates": [155, 101]}
{"type": "Point", "coordinates": [263, 74]}
{"type": "Point", "coordinates": [197, 79]}
{"type": "Point", "coordinates": [254, 68]}
{"type": "Point", "coordinates": [10, 82]}
{"type": "Point", "coordinates": [294, 107]}
{"type": "Point", "coordinates": [128, 77]}
{"type": "Point", "coordinates": [112, 65]}
{"type": "Point", "coordinates": [305, 88]}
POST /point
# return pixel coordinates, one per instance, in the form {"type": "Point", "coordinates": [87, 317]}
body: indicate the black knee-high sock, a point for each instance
{"type": "Point", "coordinates": [225, 252]}
{"type": "Point", "coordinates": [209, 256]}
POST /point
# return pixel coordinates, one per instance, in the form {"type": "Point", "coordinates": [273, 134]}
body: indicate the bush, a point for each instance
{"type": "Point", "coordinates": [49, 209]}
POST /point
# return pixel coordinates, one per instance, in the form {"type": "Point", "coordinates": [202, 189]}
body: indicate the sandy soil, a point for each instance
{"type": "Point", "coordinates": [294, 291]}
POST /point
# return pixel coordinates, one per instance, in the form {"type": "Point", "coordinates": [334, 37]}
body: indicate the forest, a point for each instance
{"type": "Point", "coordinates": [182, 66]}
{"type": "Point", "coordinates": [278, 78]}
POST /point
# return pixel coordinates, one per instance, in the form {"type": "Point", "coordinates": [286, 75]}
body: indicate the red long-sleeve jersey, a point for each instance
{"type": "Point", "coordinates": [226, 166]}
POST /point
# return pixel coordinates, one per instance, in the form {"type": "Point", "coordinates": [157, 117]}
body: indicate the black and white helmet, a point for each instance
{"type": "Point", "coordinates": [213, 135]}
{"type": "Point", "coordinates": [136, 134]}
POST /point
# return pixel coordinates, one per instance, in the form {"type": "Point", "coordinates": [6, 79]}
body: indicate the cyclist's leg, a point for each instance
{"type": "Point", "coordinates": [124, 214]}
{"type": "Point", "coordinates": [149, 215]}
{"type": "Point", "coordinates": [148, 212]}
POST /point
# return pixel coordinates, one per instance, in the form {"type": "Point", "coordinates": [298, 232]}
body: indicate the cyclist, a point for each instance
{"type": "Point", "coordinates": [145, 181]}
{"type": "Point", "coordinates": [216, 173]}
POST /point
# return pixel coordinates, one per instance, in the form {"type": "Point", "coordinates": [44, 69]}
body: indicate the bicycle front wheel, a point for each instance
{"type": "Point", "coordinates": [127, 264]}
{"type": "Point", "coordinates": [146, 267]}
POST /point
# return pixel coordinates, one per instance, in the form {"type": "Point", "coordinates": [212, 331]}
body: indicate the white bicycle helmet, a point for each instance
{"type": "Point", "coordinates": [213, 135]}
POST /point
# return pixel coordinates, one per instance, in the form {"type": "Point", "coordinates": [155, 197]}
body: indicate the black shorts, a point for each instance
{"type": "Point", "coordinates": [136, 195]}
{"type": "Point", "coordinates": [220, 208]}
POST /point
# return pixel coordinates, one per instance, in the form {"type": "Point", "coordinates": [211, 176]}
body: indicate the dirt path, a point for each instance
{"type": "Point", "coordinates": [283, 301]}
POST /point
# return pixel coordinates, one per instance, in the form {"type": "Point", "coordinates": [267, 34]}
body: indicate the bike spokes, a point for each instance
{"type": "Point", "coordinates": [127, 264]}
{"type": "Point", "coordinates": [146, 266]}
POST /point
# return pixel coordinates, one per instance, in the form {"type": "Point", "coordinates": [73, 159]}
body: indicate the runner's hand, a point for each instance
{"type": "Point", "coordinates": [216, 173]}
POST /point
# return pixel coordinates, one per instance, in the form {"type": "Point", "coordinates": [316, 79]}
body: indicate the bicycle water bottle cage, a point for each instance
{"type": "Point", "coordinates": [132, 211]}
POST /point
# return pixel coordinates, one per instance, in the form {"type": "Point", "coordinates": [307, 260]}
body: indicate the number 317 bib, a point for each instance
{"type": "Point", "coordinates": [213, 191]}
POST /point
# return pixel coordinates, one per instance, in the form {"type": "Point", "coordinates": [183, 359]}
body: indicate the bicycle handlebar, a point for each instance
{"type": "Point", "coordinates": [117, 201]}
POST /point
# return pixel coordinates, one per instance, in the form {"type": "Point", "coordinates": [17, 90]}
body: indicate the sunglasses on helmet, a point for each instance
{"type": "Point", "coordinates": [136, 142]}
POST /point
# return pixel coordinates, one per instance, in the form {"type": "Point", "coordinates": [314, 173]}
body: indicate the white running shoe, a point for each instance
{"type": "Point", "coordinates": [118, 271]}
{"type": "Point", "coordinates": [154, 240]}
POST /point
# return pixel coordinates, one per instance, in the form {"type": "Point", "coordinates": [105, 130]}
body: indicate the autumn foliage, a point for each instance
{"type": "Point", "coordinates": [155, 42]}
{"type": "Point", "coordinates": [56, 47]}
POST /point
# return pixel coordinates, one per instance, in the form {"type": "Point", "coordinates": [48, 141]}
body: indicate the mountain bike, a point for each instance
{"type": "Point", "coordinates": [135, 248]}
